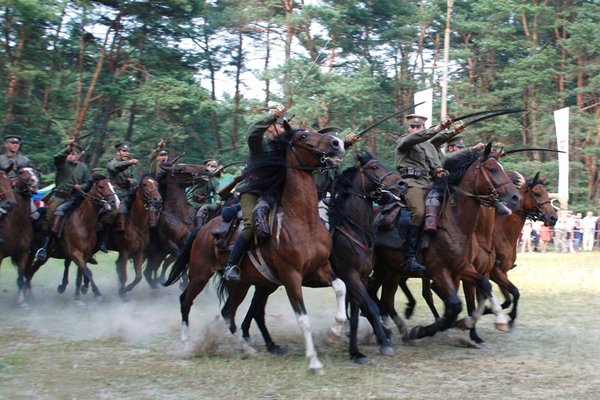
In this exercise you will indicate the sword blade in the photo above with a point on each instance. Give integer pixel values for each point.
(382, 120)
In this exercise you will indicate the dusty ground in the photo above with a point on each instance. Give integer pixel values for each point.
(57, 349)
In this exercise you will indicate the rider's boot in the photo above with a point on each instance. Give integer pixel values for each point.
(262, 228)
(411, 242)
(200, 219)
(56, 219)
(104, 236)
(232, 271)
(431, 219)
(42, 254)
(120, 223)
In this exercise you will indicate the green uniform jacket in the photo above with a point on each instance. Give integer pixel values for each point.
(417, 154)
(153, 164)
(121, 174)
(208, 190)
(258, 143)
(17, 161)
(68, 175)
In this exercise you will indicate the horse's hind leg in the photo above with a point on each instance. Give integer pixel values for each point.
(138, 260)
(186, 299)
(236, 294)
(256, 311)
(65, 279)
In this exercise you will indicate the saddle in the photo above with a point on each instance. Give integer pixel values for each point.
(224, 232)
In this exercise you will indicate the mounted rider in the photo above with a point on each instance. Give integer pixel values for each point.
(72, 176)
(419, 162)
(202, 196)
(156, 157)
(124, 173)
(261, 136)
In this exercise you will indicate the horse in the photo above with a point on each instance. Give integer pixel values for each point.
(296, 254)
(16, 209)
(351, 222)
(475, 178)
(535, 204)
(132, 242)
(174, 224)
(77, 239)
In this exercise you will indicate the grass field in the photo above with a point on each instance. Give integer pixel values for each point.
(57, 349)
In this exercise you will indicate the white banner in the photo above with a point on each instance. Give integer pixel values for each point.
(561, 122)
(425, 109)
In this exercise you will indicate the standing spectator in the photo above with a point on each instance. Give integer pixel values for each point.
(545, 237)
(577, 233)
(560, 240)
(569, 231)
(526, 237)
(535, 234)
(588, 225)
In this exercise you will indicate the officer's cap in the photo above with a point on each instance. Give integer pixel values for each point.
(414, 119)
(123, 146)
(13, 138)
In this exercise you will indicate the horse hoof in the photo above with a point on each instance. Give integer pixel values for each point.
(60, 289)
(276, 350)
(387, 351)
(317, 371)
(503, 327)
(415, 333)
(83, 290)
(362, 360)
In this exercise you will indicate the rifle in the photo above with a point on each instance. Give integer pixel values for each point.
(225, 192)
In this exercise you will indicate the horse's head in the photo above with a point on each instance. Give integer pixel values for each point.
(7, 194)
(27, 180)
(149, 193)
(103, 193)
(536, 201)
(311, 149)
(486, 180)
(187, 174)
(377, 180)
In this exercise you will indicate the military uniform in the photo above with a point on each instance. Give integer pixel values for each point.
(16, 160)
(122, 174)
(153, 163)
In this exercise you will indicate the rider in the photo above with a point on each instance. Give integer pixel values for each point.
(12, 159)
(201, 197)
(260, 140)
(158, 156)
(124, 173)
(71, 176)
(418, 161)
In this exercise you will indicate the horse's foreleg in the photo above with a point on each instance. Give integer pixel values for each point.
(355, 354)
(256, 311)
(507, 286)
(87, 274)
(336, 330)
(23, 284)
(121, 267)
(411, 301)
(295, 296)
(65, 280)
(138, 261)
(426, 290)
(446, 289)
(237, 293)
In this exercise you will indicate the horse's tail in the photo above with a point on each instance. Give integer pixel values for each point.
(222, 289)
(183, 259)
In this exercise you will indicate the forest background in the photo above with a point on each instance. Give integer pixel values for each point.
(198, 72)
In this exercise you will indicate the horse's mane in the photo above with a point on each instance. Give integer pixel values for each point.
(457, 166)
(343, 186)
(265, 173)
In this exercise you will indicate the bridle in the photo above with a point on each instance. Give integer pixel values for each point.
(315, 149)
(492, 195)
(150, 203)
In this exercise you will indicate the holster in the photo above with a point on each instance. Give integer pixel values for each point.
(431, 218)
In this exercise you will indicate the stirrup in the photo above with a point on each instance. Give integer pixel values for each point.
(231, 273)
(413, 265)
(102, 247)
(41, 254)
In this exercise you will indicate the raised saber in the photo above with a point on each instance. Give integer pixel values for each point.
(382, 120)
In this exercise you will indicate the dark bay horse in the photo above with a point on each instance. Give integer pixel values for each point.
(133, 241)
(475, 178)
(296, 254)
(174, 224)
(351, 221)
(77, 240)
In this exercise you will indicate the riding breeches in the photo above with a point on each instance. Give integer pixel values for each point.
(248, 202)
(415, 200)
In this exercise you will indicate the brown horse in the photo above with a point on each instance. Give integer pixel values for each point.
(174, 224)
(474, 179)
(77, 239)
(296, 254)
(133, 241)
(16, 231)
(507, 229)
(351, 219)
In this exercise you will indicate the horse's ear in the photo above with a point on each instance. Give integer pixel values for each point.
(166, 167)
(487, 151)
(286, 125)
(543, 180)
(536, 177)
